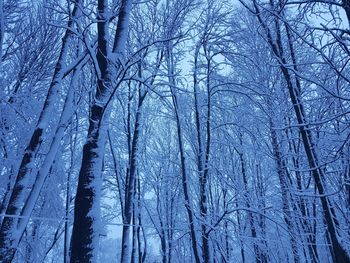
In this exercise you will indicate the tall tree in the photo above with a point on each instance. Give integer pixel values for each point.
(338, 252)
(9, 234)
(86, 227)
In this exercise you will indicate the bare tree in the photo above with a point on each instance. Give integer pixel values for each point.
(294, 89)
(86, 227)
(9, 234)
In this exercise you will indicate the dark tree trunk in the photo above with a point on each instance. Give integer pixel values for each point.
(9, 236)
(85, 234)
(85, 227)
(202, 157)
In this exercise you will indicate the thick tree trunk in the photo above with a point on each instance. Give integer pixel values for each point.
(50, 156)
(9, 233)
(86, 226)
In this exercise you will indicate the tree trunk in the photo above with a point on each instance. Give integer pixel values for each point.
(185, 186)
(338, 252)
(86, 226)
(130, 186)
(282, 176)
(260, 257)
(9, 234)
(202, 156)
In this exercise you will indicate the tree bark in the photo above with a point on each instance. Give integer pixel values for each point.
(86, 226)
(9, 234)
